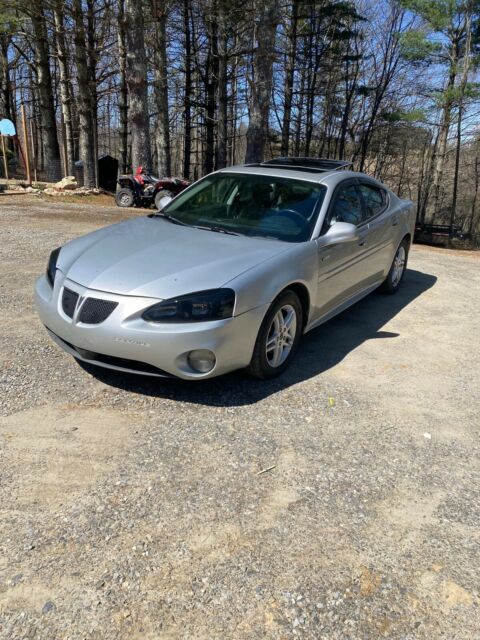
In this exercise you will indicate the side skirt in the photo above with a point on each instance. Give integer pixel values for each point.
(341, 307)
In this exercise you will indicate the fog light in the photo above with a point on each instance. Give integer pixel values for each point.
(201, 360)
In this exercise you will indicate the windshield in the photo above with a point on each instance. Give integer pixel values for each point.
(251, 205)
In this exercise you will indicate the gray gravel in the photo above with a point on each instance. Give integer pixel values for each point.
(133, 508)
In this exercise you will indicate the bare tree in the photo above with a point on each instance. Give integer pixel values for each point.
(84, 99)
(45, 93)
(66, 90)
(187, 131)
(136, 75)
(122, 89)
(261, 78)
(160, 71)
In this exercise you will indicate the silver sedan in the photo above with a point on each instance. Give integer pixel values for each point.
(230, 273)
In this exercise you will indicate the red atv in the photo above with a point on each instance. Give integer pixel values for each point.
(143, 190)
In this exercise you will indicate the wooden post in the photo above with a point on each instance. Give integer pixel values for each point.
(26, 144)
(5, 161)
(34, 158)
(64, 144)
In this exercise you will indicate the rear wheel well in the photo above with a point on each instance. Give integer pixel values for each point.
(304, 297)
(408, 238)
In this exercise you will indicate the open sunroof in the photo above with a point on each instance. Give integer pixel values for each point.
(304, 164)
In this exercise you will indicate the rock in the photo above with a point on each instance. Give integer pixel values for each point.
(51, 191)
(48, 606)
(66, 184)
(88, 191)
(73, 190)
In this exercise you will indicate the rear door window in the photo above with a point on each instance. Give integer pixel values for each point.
(347, 206)
(375, 199)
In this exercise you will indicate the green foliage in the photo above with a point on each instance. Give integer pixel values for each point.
(414, 116)
(339, 10)
(437, 13)
(457, 94)
(472, 90)
(416, 47)
(9, 22)
(363, 90)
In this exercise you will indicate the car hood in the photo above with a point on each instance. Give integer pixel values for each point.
(152, 257)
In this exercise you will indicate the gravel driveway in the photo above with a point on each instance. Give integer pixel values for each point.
(135, 509)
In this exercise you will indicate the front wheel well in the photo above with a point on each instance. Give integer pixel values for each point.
(304, 297)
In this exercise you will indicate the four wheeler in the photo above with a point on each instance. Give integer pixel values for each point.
(143, 190)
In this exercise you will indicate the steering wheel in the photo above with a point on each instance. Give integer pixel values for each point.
(291, 214)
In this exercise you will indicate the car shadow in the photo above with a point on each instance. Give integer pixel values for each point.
(319, 350)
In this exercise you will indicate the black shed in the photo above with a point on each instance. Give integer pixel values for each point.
(107, 172)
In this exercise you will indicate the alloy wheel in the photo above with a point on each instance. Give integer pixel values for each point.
(398, 266)
(281, 335)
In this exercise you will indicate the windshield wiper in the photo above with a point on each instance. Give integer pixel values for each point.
(217, 230)
(168, 217)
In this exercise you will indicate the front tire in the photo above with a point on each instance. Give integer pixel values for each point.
(162, 194)
(278, 337)
(397, 270)
(124, 198)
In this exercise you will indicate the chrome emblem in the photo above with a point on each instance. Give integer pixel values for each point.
(137, 343)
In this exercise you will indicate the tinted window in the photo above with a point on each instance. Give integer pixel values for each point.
(374, 198)
(347, 206)
(252, 205)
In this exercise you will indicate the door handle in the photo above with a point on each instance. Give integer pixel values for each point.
(394, 222)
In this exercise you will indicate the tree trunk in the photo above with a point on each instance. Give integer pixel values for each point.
(442, 142)
(45, 94)
(261, 80)
(299, 118)
(463, 86)
(473, 208)
(84, 99)
(162, 126)
(222, 88)
(289, 78)
(122, 93)
(211, 82)
(137, 85)
(5, 81)
(187, 132)
(352, 68)
(92, 78)
(65, 85)
(457, 165)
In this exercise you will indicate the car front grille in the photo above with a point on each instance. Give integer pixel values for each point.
(69, 302)
(95, 311)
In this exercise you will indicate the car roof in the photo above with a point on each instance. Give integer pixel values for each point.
(329, 178)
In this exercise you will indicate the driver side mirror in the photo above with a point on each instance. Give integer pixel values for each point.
(341, 232)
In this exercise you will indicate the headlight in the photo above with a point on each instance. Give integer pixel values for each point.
(52, 266)
(213, 304)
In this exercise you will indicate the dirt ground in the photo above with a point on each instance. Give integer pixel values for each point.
(133, 508)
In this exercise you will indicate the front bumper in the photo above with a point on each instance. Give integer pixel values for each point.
(124, 341)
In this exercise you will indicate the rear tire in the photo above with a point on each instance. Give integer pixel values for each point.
(278, 337)
(397, 270)
(124, 198)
